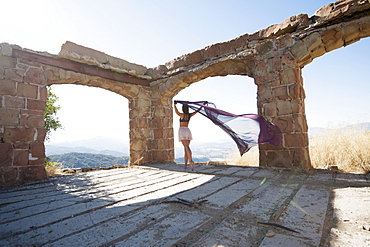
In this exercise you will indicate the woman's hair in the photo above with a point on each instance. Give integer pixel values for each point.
(185, 109)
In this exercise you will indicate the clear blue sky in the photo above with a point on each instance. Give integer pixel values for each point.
(153, 32)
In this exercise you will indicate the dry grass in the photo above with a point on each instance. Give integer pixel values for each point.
(52, 168)
(251, 158)
(347, 149)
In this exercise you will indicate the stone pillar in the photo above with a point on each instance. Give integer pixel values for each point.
(281, 101)
(140, 134)
(162, 130)
(22, 103)
(151, 131)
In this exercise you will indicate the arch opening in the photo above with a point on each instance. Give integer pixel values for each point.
(235, 94)
(95, 121)
(339, 107)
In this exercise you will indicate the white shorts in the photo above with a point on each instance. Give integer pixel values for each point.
(185, 134)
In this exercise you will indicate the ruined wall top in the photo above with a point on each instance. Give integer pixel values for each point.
(285, 33)
(90, 56)
(297, 27)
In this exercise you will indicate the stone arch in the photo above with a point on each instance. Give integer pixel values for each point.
(25, 76)
(273, 56)
(225, 98)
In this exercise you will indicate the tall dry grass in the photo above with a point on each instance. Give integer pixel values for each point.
(251, 158)
(348, 149)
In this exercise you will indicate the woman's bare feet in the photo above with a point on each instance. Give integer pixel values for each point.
(192, 165)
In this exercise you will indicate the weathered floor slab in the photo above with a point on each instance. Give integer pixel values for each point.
(166, 205)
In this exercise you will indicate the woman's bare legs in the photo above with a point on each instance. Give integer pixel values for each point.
(186, 159)
(188, 154)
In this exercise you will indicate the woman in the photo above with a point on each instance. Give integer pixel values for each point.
(185, 134)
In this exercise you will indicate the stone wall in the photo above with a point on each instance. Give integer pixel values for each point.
(22, 103)
(274, 57)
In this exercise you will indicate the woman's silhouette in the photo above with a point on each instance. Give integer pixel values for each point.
(185, 135)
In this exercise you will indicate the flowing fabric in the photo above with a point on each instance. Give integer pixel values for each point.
(247, 130)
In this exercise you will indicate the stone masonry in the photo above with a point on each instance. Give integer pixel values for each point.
(274, 57)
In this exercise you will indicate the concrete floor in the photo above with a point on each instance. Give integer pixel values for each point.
(140, 207)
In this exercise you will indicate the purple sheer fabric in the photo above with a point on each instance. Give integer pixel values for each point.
(247, 130)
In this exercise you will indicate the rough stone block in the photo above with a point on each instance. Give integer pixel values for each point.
(9, 117)
(158, 133)
(168, 133)
(21, 157)
(275, 158)
(264, 92)
(140, 157)
(138, 144)
(6, 154)
(15, 102)
(265, 47)
(32, 173)
(194, 57)
(301, 158)
(14, 74)
(211, 51)
(351, 33)
(158, 111)
(18, 134)
(36, 105)
(141, 122)
(43, 93)
(365, 29)
(298, 105)
(41, 134)
(312, 41)
(143, 112)
(36, 162)
(296, 90)
(332, 39)
(318, 51)
(285, 123)
(27, 90)
(280, 92)
(269, 110)
(284, 107)
(296, 140)
(300, 122)
(274, 64)
(162, 156)
(90, 56)
(260, 69)
(289, 76)
(300, 52)
(140, 133)
(21, 145)
(142, 103)
(8, 87)
(35, 76)
(37, 149)
(284, 41)
(266, 78)
(10, 175)
(7, 62)
(288, 61)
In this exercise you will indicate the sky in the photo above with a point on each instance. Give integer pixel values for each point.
(153, 32)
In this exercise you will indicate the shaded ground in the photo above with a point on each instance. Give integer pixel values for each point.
(129, 207)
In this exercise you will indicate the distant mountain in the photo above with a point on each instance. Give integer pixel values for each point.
(79, 160)
(207, 151)
(97, 145)
(317, 130)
